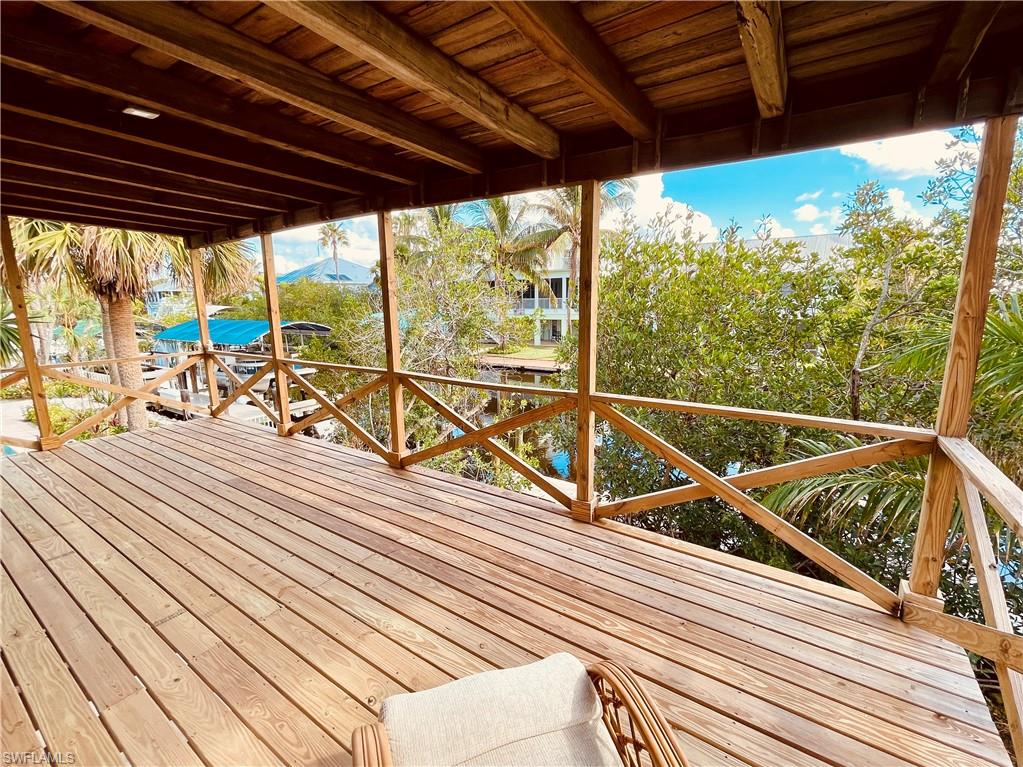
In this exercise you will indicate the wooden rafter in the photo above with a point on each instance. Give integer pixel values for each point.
(35, 50)
(371, 35)
(33, 155)
(41, 183)
(95, 218)
(81, 121)
(55, 205)
(763, 44)
(87, 143)
(17, 192)
(969, 23)
(564, 37)
(186, 35)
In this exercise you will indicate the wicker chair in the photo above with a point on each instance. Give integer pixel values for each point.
(553, 712)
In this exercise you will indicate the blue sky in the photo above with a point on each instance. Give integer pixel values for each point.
(802, 193)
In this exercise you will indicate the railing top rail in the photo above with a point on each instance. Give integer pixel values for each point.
(115, 360)
(772, 416)
(489, 385)
(307, 363)
(1001, 492)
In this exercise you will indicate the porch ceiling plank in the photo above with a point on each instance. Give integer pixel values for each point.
(89, 115)
(569, 42)
(763, 44)
(371, 35)
(90, 206)
(123, 221)
(50, 158)
(18, 191)
(185, 35)
(47, 182)
(32, 130)
(969, 22)
(32, 49)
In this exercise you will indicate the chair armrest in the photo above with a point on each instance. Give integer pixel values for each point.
(643, 728)
(370, 747)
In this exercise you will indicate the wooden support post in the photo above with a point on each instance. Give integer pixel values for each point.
(273, 314)
(589, 277)
(14, 282)
(964, 349)
(392, 336)
(199, 291)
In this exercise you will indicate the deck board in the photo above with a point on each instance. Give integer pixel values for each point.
(287, 586)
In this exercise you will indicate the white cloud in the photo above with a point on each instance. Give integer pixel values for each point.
(903, 207)
(818, 229)
(837, 195)
(905, 156)
(775, 229)
(807, 196)
(808, 212)
(650, 202)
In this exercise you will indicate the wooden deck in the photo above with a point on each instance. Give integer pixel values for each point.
(219, 595)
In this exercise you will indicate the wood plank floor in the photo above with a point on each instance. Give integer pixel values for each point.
(210, 593)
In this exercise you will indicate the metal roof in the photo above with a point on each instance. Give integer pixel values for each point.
(231, 332)
(346, 272)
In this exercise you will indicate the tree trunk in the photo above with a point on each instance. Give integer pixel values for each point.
(122, 328)
(120, 417)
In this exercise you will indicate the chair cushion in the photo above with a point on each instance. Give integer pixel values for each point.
(544, 714)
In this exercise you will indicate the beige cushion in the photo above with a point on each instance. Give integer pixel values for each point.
(545, 714)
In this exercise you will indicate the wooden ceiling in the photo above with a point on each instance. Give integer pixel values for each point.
(279, 114)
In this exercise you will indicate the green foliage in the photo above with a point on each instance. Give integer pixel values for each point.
(63, 418)
(53, 389)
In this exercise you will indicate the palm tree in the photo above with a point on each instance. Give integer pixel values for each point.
(520, 241)
(563, 208)
(115, 266)
(333, 236)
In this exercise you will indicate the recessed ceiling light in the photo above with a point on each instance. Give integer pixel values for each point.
(148, 114)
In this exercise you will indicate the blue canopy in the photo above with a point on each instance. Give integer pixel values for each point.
(222, 332)
(234, 332)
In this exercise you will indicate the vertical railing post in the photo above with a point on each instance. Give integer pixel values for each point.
(589, 277)
(963, 350)
(199, 291)
(273, 315)
(15, 283)
(392, 336)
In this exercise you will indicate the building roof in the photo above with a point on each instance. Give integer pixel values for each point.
(270, 116)
(231, 332)
(346, 273)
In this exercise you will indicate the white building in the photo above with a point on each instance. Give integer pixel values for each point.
(553, 317)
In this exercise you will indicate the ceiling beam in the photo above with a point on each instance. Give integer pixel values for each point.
(113, 221)
(568, 41)
(21, 191)
(186, 35)
(51, 203)
(361, 29)
(36, 156)
(33, 49)
(965, 30)
(61, 183)
(763, 43)
(29, 95)
(32, 130)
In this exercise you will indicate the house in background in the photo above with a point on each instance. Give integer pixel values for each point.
(552, 321)
(343, 273)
